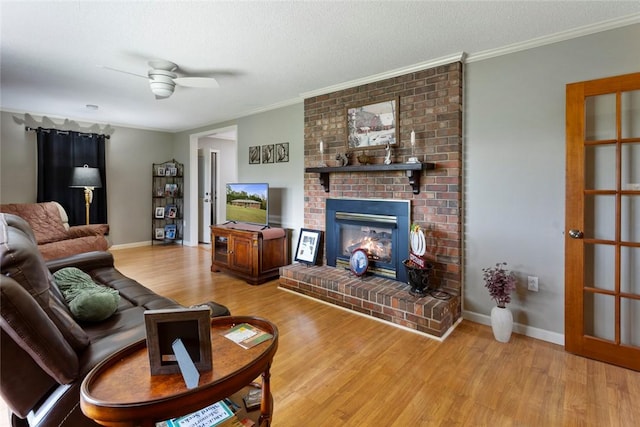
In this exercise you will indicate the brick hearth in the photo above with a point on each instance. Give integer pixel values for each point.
(385, 299)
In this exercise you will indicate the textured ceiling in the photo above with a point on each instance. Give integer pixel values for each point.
(263, 54)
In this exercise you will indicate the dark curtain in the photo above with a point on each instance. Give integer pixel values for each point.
(58, 153)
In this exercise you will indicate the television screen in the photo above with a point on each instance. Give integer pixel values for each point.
(248, 203)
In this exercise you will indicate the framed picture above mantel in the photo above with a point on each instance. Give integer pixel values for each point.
(372, 125)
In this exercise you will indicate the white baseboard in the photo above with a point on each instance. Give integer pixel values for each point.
(530, 331)
(130, 245)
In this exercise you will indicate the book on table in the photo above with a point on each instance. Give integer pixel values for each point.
(247, 335)
(213, 415)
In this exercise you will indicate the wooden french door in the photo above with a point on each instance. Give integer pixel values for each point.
(602, 246)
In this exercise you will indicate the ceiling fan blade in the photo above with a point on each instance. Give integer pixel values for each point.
(203, 82)
(122, 71)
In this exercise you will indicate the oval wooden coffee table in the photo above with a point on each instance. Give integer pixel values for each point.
(121, 391)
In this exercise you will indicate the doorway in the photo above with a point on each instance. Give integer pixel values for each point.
(207, 193)
(602, 247)
(222, 141)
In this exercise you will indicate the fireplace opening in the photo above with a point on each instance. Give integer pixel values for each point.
(380, 227)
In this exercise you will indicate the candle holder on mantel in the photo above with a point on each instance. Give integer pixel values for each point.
(413, 158)
(322, 163)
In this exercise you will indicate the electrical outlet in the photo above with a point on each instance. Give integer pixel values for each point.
(532, 283)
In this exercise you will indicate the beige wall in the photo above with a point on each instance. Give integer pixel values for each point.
(129, 155)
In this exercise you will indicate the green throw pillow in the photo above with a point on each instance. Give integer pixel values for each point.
(87, 300)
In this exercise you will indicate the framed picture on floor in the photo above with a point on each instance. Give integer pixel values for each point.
(308, 245)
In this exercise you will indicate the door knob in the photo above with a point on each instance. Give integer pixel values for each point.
(575, 234)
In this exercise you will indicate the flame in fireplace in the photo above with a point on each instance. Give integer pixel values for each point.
(378, 248)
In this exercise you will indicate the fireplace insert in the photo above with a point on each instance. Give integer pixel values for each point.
(380, 227)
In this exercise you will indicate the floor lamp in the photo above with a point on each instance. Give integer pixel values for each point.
(87, 178)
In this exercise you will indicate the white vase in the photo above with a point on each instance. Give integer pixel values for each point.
(501, 323)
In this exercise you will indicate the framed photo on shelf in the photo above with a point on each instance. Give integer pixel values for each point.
(282, 152)
(372, 125)
(159, 192)
(254, 155)
(170, 211)
(171, 190)
(190, 325)
(170, 231)
(308, 245)
(160, 171)
(159, 233)
(172, 171)
(159, 211)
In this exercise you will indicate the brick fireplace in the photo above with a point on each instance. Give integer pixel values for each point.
(430, 104)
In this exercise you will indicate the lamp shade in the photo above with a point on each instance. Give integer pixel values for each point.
(86, 177)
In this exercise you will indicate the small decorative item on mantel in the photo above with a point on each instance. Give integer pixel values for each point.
(500, 282)
(363, 159)
(387, 157)
(322, 163)
(413, 159)
(342, 159)
(418, 269)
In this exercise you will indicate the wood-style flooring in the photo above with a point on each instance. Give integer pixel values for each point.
(336, 368)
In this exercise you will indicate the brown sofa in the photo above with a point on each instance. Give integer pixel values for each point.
(45, 353)
(56, 239)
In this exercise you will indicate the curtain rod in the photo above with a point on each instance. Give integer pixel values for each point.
(65, 132)
(31, 124)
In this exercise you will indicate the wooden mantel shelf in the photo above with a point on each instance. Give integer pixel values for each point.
(413, 171)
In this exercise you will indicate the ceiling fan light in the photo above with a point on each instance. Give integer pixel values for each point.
(162, 89)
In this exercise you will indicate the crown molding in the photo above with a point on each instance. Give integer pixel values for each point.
(555, 38)
(386, 75)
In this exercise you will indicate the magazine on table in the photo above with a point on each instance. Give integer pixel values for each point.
(247, 335)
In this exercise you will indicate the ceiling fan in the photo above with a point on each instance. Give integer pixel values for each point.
(164, 76)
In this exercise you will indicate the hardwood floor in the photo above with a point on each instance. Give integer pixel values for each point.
(336, 368)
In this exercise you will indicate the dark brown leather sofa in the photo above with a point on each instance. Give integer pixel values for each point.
(44, 352)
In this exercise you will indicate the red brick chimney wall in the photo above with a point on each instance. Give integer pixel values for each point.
(430, 103)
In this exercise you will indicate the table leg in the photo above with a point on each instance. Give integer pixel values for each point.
(266, 405)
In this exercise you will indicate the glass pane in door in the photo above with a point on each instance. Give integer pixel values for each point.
(600, 217)
(599, 316)
(630, 321)
(630, 270)
(599, 266)
(600, 167)
(630, 119)
(600, 117)
(630, 219)
(630, 166)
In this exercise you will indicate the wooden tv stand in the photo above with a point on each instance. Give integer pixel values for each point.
(248, 251)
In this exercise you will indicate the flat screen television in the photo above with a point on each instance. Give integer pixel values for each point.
(248, 203)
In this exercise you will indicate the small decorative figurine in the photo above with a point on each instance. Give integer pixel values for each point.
(342, 159)
(387, 157)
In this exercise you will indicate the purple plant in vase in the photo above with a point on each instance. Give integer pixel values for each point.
(500, 282)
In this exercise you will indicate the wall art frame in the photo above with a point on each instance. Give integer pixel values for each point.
(191, 325)
(373, 125)
(268, 155)
(282, 152)
(254, 155)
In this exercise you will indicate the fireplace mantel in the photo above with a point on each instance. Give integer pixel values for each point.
(413, 171)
